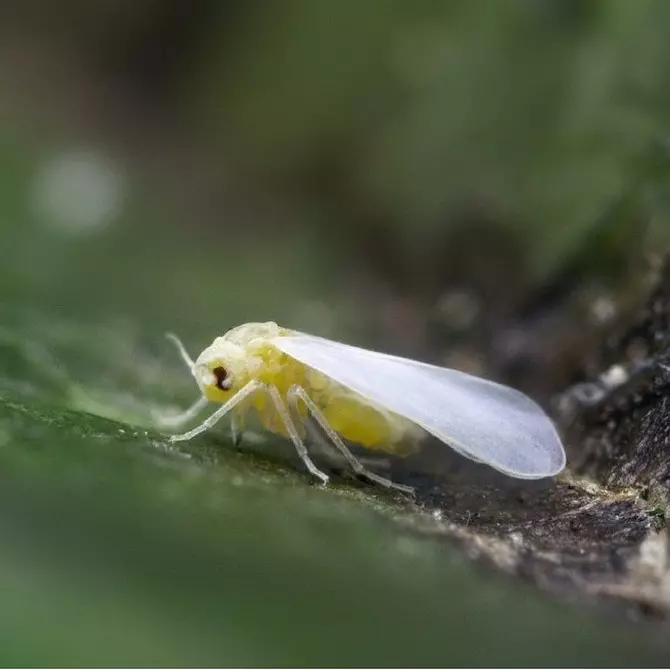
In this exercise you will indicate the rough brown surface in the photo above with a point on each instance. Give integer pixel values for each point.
(599, 531)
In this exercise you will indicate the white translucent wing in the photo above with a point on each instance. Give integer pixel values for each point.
(478, 418)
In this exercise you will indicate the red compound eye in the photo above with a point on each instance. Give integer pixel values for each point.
(221, 377)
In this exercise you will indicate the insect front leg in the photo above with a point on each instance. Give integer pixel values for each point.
(178, 420)
(295, 395)
(294, 435)
(241, 395)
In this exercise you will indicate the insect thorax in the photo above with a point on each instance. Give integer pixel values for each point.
(245, 334)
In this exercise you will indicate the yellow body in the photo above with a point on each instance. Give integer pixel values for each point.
(247, 353)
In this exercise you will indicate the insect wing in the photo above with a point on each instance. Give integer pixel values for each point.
(478, 418)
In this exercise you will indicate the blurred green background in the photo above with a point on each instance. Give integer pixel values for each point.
(359, 170)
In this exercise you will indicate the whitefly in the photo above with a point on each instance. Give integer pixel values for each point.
(376, 400)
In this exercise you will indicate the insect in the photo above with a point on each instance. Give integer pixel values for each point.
(376, 400)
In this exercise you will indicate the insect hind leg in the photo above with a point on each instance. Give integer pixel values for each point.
(295, 395)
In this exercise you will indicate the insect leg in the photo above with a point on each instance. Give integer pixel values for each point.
(167, 421)
(294, 435)
(241, 395)
(236, 430)
(297, 393)
(182, 350)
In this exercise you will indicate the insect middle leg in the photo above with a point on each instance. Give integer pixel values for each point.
(295, 395)
(236, 427)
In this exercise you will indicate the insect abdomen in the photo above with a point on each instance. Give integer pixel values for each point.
(356, 420)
